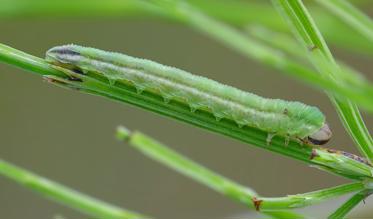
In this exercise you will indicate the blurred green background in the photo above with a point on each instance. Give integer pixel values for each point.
(69, 137)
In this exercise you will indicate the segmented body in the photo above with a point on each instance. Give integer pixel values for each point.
(286, 118)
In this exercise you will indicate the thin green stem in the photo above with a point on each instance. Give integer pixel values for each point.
(76, 8)
(261, 53)
(276, 39)
(247, 196)
(340, 161)
(311, 198)
(351, 15)
(243, 13)
(352, 202)
(287, 44)
(238, 13)
(26, 61)
(304, 27)
(64, 195)
(127, 93)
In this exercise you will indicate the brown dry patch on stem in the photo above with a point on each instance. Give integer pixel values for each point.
(257, 202)
(313, 154)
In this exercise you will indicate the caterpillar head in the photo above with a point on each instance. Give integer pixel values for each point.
(67, 54)
(322, 136)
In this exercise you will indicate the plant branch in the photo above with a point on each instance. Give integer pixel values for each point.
(250, 48)
(64, 195)
(304, 27)
(247, 196)
(127, 93)
(289, 45)
(351, 15)
(311, 38)
(238, 13)
(342, 211)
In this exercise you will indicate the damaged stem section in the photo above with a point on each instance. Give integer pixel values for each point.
(342, 162)
(247, 196)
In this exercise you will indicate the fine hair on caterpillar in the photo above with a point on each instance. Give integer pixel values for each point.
(290, 119)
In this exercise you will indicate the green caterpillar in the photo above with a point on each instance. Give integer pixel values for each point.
(275, 116)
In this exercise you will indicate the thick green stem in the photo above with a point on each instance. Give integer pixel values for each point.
(247, 196)
(127, 93)
(64, 195)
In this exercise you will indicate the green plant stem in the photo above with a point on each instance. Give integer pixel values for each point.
(302, 23)
(26, 61)
(243, 13)
(261, 53)
(351, 15)
(238, 13)
(247, 196)
(64, 195)
(338, 162)
(76, 8)
(127, 93)
(276, 39)
(287, 44)
(347, 110)
(342, 211)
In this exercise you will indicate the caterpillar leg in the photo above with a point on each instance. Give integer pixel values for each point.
(74, 74)
(303, 141)
(287, 139)
(139, 89)
(193, 107)
(269, 138)
(61, 82)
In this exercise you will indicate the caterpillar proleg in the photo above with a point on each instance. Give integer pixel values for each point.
(286, 118)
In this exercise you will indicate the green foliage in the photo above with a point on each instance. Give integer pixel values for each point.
(361, 94)
(64, 195)
(247, 196)
(351, 15)
(342, 211)
(346, 88)
(302, 23)
(127, 93)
